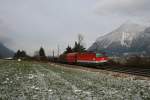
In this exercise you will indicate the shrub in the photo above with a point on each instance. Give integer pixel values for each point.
(137, 61)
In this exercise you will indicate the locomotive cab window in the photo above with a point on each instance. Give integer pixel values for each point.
(99, 55)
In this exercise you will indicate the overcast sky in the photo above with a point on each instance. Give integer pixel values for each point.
(29, 24)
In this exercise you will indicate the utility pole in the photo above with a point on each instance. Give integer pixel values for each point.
(53, 55)
(58, 50)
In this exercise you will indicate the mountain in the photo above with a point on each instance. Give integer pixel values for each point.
(5, 52)
(128, 39)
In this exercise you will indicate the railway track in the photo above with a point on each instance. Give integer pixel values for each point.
(126, 70)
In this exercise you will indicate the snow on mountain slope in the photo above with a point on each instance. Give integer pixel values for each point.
(125, 34)
(120, 39)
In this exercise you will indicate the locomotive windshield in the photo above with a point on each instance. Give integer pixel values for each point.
(99, 55)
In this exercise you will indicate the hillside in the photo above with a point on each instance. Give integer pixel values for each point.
(5, 52)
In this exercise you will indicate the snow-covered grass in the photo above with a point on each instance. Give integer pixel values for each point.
(37, 81)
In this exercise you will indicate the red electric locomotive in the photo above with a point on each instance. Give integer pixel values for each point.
(89, 58)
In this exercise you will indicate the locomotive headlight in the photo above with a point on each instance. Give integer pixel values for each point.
(93, 58)
(103, 58)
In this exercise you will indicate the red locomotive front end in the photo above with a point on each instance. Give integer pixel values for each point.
(86, 58)
(91, 58)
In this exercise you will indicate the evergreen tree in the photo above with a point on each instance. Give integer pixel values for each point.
(42, 52)
(78, 47)
(23, 53)
(42, 55)
(17, 54)
(20, 54)
(68, 50)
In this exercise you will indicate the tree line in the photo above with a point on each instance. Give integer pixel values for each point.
(41, 56)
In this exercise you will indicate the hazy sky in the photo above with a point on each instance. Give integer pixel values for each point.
(29, 24)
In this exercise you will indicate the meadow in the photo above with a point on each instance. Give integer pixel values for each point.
(49, 81)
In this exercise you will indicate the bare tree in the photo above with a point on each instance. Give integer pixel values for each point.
(80, 39)
(79, 47)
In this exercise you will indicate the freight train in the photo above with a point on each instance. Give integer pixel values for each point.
(86, 58)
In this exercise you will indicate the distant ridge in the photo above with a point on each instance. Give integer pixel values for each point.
(128, 39)
(5, 52)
